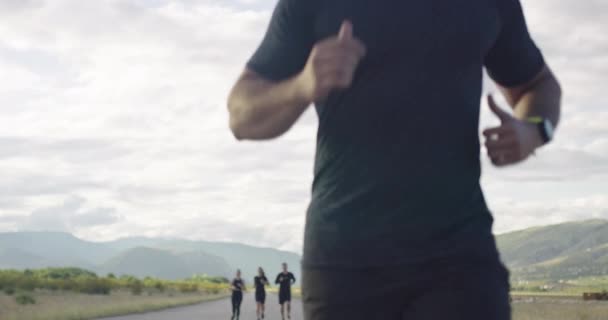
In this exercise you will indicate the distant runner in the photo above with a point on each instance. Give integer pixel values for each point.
(238, 286)
(260, 282)
(285, 279)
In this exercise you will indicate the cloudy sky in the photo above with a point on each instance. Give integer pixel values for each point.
(113, 123)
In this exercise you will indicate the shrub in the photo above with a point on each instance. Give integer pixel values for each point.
(209, 279)
(95, 286)
(68, 285)
(136, 287)
(28, 284)
(53, 286)
(24, 299)
(80, 280)
(159, 286)
(188, 287)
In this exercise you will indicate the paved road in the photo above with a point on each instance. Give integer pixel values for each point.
(219, 310)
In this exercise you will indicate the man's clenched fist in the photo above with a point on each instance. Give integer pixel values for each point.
(331, 64)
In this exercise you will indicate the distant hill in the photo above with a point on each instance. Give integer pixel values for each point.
(11, 258)
(164, 258)
(57, 247)
(559, 251)
(245, 257)
(142, 262)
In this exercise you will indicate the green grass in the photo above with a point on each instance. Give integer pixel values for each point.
(78, 294)
(78, 306)
(535, 307)
(545, 294)
(565, 287)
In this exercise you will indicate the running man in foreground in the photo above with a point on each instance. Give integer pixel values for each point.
(397, 227)
(260, 282)
(237, 286)
(285, 279)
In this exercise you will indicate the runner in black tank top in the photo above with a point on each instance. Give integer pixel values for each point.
(238, 286)
(260, 282)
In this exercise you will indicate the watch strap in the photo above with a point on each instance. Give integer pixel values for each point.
(540, 124)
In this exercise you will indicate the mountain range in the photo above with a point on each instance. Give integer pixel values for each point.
(141, 257)
(561, 251)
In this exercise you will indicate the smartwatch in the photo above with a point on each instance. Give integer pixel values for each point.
(545, 128)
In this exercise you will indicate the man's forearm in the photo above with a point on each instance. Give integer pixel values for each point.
(261, 109)
(541, 99)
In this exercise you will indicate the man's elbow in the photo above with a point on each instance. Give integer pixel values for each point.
(237, 130)
(558, 88)
(553, 83)
(238, 122)
(246, 125)
(255, 132)
(244, 128)
(558, 98)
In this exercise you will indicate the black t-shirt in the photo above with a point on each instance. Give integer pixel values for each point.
(285, 280)
(259, 285)
(396, 176)
(237, 286)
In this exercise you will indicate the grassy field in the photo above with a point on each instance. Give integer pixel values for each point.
(547, 307)
(75, 294)
(77, 306)
(559, 299)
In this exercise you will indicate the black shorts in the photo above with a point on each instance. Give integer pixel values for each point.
(284, 296)
(260, 296)
(457, 288)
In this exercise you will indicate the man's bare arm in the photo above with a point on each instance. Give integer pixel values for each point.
(517, 138)
(540, 97)
(262, 109)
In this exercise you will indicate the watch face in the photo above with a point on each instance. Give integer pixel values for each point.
(548, 129)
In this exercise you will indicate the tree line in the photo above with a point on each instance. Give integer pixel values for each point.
(85, 281)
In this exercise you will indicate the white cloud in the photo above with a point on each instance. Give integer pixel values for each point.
(122, 103)
(522, 214)
(71, 215)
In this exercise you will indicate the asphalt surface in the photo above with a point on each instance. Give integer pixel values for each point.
(219, 310)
